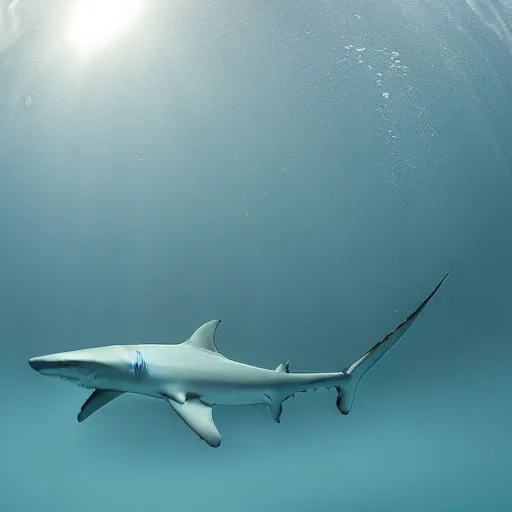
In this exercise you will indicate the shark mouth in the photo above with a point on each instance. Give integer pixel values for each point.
(71, 380)
(49, 367)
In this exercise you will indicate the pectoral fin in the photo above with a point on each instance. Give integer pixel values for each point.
(198, 416)
(96, 401)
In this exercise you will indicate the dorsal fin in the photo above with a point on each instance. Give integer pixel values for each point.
(204, 336)
(284, 367)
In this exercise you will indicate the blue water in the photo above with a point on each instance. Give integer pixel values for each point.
(305, 171)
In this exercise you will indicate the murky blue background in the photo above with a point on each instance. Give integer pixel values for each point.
(305, 171)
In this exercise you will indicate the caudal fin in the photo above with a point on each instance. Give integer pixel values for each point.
(358, 368)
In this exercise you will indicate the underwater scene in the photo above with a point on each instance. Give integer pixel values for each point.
(263, 251)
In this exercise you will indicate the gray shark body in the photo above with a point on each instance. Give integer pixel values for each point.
(193, 376)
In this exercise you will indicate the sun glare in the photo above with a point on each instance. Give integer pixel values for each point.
(95, 23)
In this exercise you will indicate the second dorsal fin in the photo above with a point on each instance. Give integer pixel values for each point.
(284, 367)
(204, 336)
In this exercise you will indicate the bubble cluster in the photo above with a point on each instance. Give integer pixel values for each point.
(386, 69)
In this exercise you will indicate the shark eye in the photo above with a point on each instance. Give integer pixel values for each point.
(138, 364)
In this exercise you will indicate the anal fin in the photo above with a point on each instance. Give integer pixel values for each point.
(199, 417)
(275, 406)
(276, 409)
(98, 399)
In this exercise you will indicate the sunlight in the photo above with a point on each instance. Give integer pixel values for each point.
(95, 23)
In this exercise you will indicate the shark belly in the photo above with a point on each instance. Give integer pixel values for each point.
(229, 396)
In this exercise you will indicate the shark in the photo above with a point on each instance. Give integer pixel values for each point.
(193, 376)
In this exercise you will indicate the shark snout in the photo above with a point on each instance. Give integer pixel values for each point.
(45, 363)
(87, 366)
(37, 363)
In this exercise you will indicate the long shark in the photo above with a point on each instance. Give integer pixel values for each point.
(193, 376)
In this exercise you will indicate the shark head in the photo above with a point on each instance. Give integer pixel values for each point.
(100, 368)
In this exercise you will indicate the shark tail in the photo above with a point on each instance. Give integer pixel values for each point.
(355, 372)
